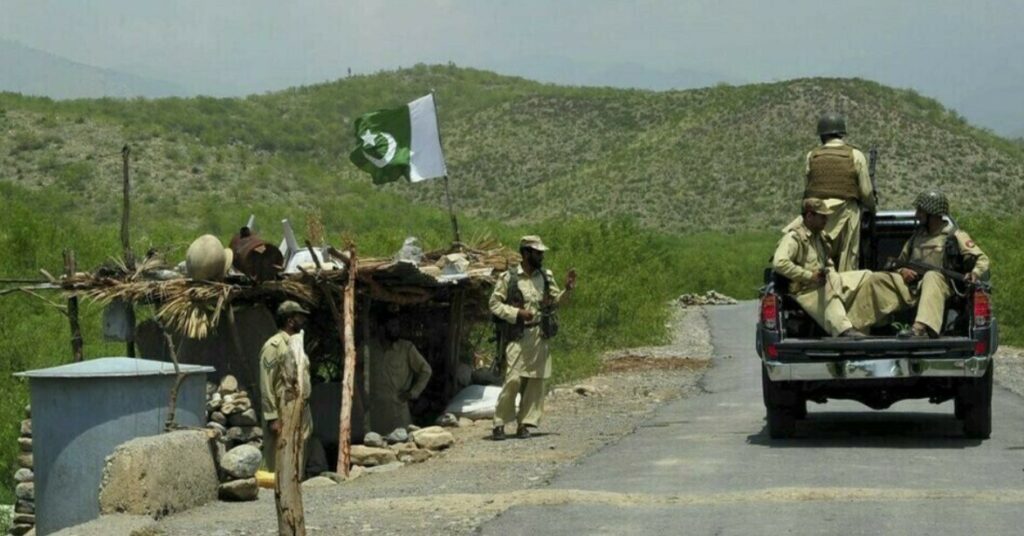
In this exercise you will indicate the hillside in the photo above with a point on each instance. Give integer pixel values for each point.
(722, 158)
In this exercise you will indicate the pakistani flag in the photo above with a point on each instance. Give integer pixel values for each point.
(400, 142)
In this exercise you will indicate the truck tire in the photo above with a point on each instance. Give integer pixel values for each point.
(977, 406)
(780, 406)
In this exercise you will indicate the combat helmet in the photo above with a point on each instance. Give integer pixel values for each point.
(831, 124)
(932, 202)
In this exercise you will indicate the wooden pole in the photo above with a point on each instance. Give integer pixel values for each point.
(76, 330)
(291, 518)
(349, 370)
(129, 257)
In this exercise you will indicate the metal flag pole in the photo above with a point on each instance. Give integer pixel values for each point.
(447, 189)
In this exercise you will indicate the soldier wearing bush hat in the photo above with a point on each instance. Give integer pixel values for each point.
(525, 299)
(802, 257)
(291, 318)
(937, 242)
(837, 173)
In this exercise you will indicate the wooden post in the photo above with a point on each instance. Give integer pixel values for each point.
(76, 330)
(454, 341)
(129, 257)
(291, 518)
(349, 371)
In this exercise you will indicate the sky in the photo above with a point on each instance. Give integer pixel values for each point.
(965, 53)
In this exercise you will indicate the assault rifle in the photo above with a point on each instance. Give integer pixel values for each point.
(923, 267)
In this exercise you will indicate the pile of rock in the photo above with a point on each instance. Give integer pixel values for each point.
(402, 446)
(25, 509)
(234, 422)
(711, 297)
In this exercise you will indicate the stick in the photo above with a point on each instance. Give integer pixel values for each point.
(349, 374)
(129, 257)
(76, 330)
(170, 424)
(447, 190)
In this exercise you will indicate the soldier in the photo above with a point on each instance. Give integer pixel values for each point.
(837, 173)
(525, 298)
(936, 242)
(802, 257)
(291, 318)
(398, 374)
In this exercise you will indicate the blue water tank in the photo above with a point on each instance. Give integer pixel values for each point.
(81, 412)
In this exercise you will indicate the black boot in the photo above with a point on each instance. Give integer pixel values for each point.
(498, 433)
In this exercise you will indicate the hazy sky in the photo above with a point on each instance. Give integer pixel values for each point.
(966, 53)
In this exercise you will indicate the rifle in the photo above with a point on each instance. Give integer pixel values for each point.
(923, 267)
(869, 215)
(872, 166)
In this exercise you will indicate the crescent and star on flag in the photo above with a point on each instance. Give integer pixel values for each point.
(370, 141)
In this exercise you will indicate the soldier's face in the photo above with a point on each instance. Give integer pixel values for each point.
(392, 329)
(298, 322)
(814, 221)
(535, 258)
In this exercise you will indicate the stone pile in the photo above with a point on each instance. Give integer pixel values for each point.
(24, 519)
(711, 297)
(239, 439)
(400, 447)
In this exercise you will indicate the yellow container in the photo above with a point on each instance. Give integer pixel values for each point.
(265, 479)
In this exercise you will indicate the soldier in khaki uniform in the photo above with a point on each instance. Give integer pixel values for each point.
(528, 361)
(802, 257)
(837, 173)
(398, 374)
(291, 317)
(937, 243)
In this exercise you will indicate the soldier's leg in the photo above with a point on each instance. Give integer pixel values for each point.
(880, 295)
(849, 254)
(269, 463)
(931, 306)
(531, 406)
(825, 308)
(505, 411)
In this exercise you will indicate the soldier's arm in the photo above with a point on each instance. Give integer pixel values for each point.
(268, 377)
(782, 262)
(860, 163)
(497, 303)
(969, 250)
(421, 371)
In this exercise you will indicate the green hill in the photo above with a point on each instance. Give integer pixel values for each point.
(720, 158)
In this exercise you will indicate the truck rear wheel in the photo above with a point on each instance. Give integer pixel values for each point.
(782, 406)
(976, 400)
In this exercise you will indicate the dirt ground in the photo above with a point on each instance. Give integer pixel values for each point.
(476, 479)
(1009, 371)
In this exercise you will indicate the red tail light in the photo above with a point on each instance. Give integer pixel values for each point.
(981, 347)
(772, 351)
(982, 309)
(769, 311)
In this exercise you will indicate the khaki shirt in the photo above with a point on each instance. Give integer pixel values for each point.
(928, 248)
(860, 163)
(528, 356)
(394, 368)
(799, 255)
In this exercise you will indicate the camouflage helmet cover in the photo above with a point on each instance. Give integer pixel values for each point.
(932, 202)
(831, 123)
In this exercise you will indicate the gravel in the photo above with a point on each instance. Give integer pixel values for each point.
(1009, 371)
(468, 484)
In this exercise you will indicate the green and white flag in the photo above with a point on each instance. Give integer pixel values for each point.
(400, 142)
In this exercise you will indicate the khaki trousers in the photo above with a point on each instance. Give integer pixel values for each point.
(885, 293)
(531, 401)
(828, 303)
(843, 227)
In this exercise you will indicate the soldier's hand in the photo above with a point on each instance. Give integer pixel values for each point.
(819, 277)
(526, 315)
(275, 426)
(570, 279)
(971, 277)
(908, 275)
(404, 396)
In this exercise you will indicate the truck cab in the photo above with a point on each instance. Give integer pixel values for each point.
(801, 363)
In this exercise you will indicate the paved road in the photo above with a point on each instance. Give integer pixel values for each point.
(705, 465)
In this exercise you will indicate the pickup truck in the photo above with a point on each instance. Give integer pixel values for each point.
(801, 363)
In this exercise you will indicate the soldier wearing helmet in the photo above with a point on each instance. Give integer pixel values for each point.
(937, 242)
(837, 173)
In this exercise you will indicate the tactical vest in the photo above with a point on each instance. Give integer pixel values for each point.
(832, 174)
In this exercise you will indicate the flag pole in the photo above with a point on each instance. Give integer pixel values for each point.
(447, 189)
